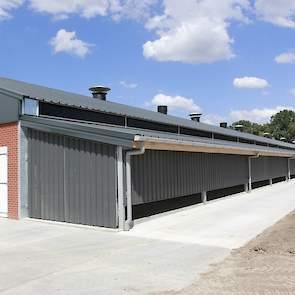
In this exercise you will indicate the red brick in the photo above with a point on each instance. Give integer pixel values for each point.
(9, 138)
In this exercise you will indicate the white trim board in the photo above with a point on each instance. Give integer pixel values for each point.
(3, 150)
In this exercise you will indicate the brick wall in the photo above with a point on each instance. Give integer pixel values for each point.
(9, 138)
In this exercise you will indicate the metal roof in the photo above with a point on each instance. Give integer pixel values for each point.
(76, 100)
(128, 136)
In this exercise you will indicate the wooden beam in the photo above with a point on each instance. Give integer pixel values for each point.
(186, 147)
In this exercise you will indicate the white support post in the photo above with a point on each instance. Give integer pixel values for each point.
(289, 169)
(204, 197)
(249, 175)
(270, 181)
(120, 175)
(250, 171)
(246, 187)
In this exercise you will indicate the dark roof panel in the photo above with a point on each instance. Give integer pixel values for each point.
(81, 101)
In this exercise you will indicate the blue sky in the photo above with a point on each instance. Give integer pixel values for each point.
(231, 60)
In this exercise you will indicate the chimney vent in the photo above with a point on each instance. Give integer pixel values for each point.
(163, 109)
(267, 134)
(239, 127)
(99, 92)
(195, 117)
(223, 124)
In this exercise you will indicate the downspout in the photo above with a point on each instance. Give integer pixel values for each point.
(129, 222)
(250, 171)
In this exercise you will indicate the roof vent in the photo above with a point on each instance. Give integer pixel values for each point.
(239, 127)
(99, 92)
(223, 124)
(195, 117)
(163, 109)
(267, 134)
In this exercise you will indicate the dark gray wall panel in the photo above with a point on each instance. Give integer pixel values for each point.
(264, 168)
(161, 175)
(71, 180)
(9, 110)
(90, 182)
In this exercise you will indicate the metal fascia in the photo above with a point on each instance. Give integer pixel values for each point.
(230, 149)
(71, 131)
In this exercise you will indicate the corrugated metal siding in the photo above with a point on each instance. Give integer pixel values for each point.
(161, 175)
(72, 180)
(264, 168)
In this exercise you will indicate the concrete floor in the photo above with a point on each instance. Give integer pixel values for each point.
(163, 253)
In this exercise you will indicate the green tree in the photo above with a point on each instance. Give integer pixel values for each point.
(282, 124)
(250, 127)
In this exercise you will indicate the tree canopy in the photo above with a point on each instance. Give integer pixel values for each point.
(281, 126)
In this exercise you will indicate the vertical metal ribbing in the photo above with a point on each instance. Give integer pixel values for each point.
(120, 176)
(72, 180)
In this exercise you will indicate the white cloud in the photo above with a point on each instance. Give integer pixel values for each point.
(178, 104)
(278, 12)
(68, 42)
(63, 8)
(131, 9)
(128, 85)
(292, 91)
(194, 31)
(118, 9)
(250, 82)
(6, 6)
(257, 115)
(285, 58)
(213, 119)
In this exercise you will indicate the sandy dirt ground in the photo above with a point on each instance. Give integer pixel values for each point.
(266, 265)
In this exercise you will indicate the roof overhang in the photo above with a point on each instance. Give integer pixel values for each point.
(132, 139)
(153, 143)
(78, 130)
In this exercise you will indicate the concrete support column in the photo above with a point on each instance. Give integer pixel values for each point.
(249, 175)
(250, 171)
(120, 176)
(246, 187)
(204, 197)
(289, 170)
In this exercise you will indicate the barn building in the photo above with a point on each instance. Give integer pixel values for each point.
(78, 159)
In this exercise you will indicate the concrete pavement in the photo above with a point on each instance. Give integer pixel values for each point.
(163, 253)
